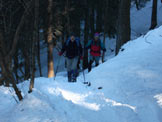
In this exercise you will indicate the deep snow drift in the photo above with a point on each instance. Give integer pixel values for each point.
(131, 90)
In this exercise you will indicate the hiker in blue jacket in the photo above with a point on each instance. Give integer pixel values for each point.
(73, 50)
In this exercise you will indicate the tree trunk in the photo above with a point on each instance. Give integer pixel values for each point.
(105, 20)
(68, 18)
(31, 86)
(92, 20)
(27, 64)
(9, 54)
(5, 68)
(137, 4)
(154, 15)
(123, 25)
(38, 56)
(86, 33)
(16, 66)
(1, 81)
(35, 39)
(49, 40)
(99, 16)
(9, 77)
(18, 30)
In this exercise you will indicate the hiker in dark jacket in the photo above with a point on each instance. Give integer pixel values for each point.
(95, 47)
(73, 50)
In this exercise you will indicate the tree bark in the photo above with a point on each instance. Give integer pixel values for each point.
(8, 55)
(1, 81)
(49, 40)
(105, 20)
(99, 17)
(86, 33)
(5, 68)
(38, 56)
(35, 39)
(18, 30)
(8, 76)
(16, 66)
(154, 15)
(68, 17)
(27, 64)
(92, 20)
(123, 24)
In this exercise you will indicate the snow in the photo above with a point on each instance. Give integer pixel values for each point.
(159, 99)
(141, 19)
(130, 86)
(130, 90)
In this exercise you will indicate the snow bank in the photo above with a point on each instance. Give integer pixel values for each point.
(141, 19)
(134, 77)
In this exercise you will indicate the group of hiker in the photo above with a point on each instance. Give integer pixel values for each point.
(73, 52)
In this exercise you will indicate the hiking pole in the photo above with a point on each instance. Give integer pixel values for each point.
(85, 82)
(57, 67)
(83, 64)
(83, 74)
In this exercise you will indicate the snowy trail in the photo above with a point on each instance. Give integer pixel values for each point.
(86, 99)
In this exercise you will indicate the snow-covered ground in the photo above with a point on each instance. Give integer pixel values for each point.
(141, 19)
(131, 84)
(130, 90)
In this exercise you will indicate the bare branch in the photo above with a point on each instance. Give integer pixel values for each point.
(13, 49)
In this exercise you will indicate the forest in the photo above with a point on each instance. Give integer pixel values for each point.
(27, 26)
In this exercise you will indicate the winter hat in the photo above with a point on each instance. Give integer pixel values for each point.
(96, 34)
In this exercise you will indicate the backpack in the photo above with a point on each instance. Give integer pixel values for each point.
(98, 43)
(77, 39)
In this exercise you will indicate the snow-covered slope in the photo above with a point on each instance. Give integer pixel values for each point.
(131, 90)
(141, 19)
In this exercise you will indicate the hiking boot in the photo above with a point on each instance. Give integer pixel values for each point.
(96, 64)
(69, 76)
(90, 65)
(74, 79)
(74, 75)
